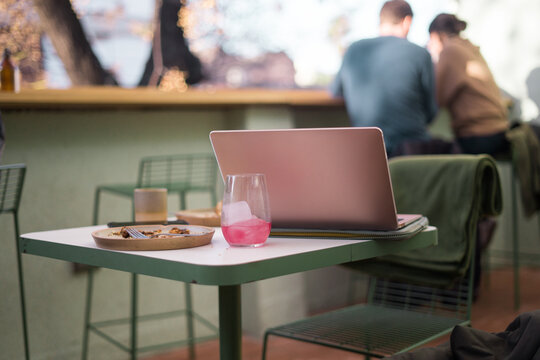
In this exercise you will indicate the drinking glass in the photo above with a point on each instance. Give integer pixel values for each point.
(150, 204)
(245, 215)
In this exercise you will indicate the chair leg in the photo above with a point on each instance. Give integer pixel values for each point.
(515, 241)
(214, 197)
(486, 266)
(21, 288)
(182, 195)
(132, 209)
(96, 206)
(265, 341)
(133, 319)
(189, 321)
(538, 219)
(354, 278)
(87, 312)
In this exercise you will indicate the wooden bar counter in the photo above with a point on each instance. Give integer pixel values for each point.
(136, 98)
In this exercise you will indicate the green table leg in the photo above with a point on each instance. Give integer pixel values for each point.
(189, 321)
(230, 322)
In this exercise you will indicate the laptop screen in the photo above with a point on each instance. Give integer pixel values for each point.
(324, 178)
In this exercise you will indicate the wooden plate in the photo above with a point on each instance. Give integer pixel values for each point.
(204, 217)
(106, 239)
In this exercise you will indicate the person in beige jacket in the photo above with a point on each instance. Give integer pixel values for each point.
(466, 87)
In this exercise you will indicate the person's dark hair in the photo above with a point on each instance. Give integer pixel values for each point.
(394, 11)
(448, 24)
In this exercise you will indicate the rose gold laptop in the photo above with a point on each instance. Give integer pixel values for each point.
(327, 178)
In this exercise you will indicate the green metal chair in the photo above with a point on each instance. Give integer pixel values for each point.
(179, 174)
(417, 296)
(11, 185)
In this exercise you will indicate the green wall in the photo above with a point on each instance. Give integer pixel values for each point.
(67, 154)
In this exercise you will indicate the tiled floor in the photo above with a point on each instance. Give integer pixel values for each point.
(492, 312)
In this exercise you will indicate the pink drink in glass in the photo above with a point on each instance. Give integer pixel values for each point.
(252, 232)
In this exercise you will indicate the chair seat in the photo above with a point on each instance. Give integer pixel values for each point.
(120, 189)
(385, 330)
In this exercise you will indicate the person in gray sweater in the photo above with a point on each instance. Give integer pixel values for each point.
(388, 82)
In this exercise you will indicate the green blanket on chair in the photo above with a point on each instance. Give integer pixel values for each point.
(453, 191)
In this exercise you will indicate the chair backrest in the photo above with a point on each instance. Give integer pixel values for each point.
(11, 183)
(454, 302)
(193, 170)
(453, 191)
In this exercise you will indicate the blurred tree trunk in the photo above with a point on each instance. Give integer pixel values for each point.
(169, 47)
(61, 24)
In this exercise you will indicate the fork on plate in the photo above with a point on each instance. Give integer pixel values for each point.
(136, 234)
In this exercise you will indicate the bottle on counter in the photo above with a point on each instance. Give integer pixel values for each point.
(8, 74)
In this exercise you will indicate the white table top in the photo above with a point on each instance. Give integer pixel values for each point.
(218, 252)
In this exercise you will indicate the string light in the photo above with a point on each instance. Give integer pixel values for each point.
(174, 80)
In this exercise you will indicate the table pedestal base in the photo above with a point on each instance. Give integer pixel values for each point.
(230, 322)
